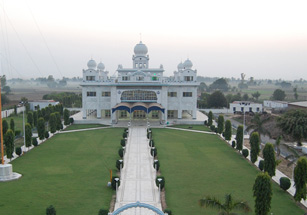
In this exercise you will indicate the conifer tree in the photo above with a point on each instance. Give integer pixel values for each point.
(269, 159)
(300, 180)
(255, 148)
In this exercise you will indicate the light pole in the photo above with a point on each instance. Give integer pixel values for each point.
(116, 181)
(23, 124)
(159, 181)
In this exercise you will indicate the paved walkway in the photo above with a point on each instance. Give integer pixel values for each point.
(138, 175)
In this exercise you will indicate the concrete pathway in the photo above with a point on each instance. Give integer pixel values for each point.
(138, 175)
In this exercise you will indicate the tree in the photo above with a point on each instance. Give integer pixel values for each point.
(220, 124)
(239, 138)
(219, 84)
(295, 93)
(202, 87)
(50, 210)
(28, 131)
(217, 100)
(5, 126)
(228, 130)
(245, 97)
(18, 150)
(12, 124)
(30, 118)
(9, 143)
(66, 117)
(15, 109)
(294, 123)
(225, 208)
(41, 128)
(3, 81)
(300, 179)
(277, 145)
(4, 99)
(103, 212)
(263, 194)
(256, 95)
(269, 159)
(52, 123)
(255, 147)
(35, 118)
(257, 125)
(210, 118)
(6, 89)
(58, 121)
(279, 95)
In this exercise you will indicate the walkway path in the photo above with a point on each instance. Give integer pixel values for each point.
(138, 175)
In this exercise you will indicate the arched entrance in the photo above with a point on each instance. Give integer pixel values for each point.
(136, 205)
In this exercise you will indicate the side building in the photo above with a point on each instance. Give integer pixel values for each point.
(139, 92)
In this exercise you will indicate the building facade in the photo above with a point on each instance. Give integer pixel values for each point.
(245, 106)
(140, 91)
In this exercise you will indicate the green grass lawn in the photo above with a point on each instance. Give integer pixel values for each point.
(83, 126)
(17, 120)
(69, 171)
(192, 127)
(197, 165)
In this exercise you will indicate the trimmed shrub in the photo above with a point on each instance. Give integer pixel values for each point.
(118, 163)
(206, 122)
(154, 152)
(124, 135)
(121, 153)
(123, 142)
(17, 133)
(113, 182)
(261, 165)
(168, 211)
(71, 120)
(46, 134)
(34, 141)
(245, 152)
(212, 127)
(103, 212)
(233, 144)
(284, 183)
(156, 163)
(152, 143)
(18, 150)
(162, 182)
(50, 210)
(61, 126)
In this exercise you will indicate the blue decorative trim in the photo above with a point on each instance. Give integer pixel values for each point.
(136, 205)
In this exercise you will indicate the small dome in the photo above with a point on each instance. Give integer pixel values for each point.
(187, 64)
(140, 49)
(180, 66)
(91, 64)
(100, 66)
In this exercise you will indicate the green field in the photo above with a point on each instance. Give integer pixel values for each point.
(69, 171)
(192, 127)
(197, 165)
(81, 126)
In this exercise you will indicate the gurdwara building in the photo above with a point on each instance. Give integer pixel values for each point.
(139, 92)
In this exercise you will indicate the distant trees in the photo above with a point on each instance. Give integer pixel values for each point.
(262, 192)
(256, 95)
(220, 124)
(9, 143)
(239, 138)
(257, 125)
(279, 95)
(293, 123)
(300, 179)
(219, 84)
(269, 159)
(255, 146)
(217, 100)
(228, 130)
(66, 98)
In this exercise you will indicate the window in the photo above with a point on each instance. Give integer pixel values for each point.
(140, 78)
(234, 109)
(188, 78)
(144, 65)
(172, 94)
(107, 113)
(187, 94)
(125, 78)
(91, 94)
(123, 114)
(106, 94)
(250, 109)
(242, 109)
(258, 109)
(170, 114)
(90, 78)
(155, 114)
(137, 95)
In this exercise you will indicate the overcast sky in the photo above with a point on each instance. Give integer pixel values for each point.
(223, 38)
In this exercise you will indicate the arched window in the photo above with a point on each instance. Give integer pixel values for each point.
(138, 95)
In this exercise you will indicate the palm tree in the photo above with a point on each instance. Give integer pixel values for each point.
(292, 157)
(257, 125)
(277, 145)
(227, 207)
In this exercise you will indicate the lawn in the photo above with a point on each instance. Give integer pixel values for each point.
(197, 165)
(192, 127)
(69, 171)
(83, 126)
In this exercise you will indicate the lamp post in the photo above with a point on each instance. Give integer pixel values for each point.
(23, 124)
(116, 181)
(159, 181)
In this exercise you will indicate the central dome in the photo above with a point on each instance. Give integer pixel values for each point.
(91, 64)
(140, 49)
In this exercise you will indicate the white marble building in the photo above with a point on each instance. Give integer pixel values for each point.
(139, 92)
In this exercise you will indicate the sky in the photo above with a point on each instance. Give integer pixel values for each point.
(264, 39)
